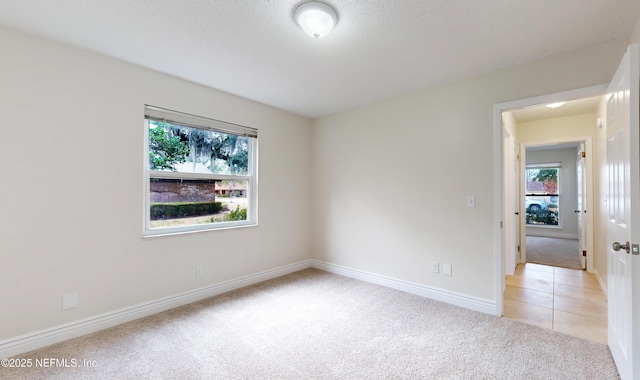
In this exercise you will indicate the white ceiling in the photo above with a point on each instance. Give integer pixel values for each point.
(379, 49)
(570, 108)
(537, 148)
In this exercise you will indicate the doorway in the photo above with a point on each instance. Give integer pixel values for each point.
(541, 294)
(555, 200)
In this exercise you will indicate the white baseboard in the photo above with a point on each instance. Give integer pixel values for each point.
(43, 338)
(533, 231)
(473, 303)
(603, 285)
(32, 341)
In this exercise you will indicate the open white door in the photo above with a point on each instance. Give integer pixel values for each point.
(518, 214)
(512, 204)
(623, 227)
(581, 212)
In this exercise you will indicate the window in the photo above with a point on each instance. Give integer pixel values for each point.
(200, 174)
(542, 197)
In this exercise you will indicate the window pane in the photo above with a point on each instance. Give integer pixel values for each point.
(185, 202)
(193, 150)
(542, 210)
(542, 181)
(542, 198)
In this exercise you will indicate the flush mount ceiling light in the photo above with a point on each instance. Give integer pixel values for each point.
(315, 18)
(556, 105)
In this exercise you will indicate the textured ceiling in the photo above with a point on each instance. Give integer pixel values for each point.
(379, 49)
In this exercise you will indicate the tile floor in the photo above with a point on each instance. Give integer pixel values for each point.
(566, 300)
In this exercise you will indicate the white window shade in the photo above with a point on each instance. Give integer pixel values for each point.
(188, 120)
(548, 165)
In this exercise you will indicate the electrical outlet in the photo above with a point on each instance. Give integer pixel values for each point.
(435, 267)
(69, 301)
(446, 269)
(199, 271)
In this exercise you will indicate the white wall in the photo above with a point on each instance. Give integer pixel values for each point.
(511, 184)
(601, 187)
(561, 128)
(390, 179)
(568, 226)
(72, 187)
(635, 36)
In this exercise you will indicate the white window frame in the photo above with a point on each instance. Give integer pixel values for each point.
(548, 165)
(193, 121)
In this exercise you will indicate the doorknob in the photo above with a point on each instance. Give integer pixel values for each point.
(616, 246)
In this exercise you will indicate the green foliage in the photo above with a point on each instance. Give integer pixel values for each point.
(239, 162)
(223, 153)
(164, 150)
(548, 178)
(220, 152)
(238, 214)
(545, 175)
(183, 209)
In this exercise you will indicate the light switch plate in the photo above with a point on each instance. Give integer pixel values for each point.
(471, 201)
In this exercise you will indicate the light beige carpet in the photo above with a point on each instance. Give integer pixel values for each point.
(317, 325)
(555, 252)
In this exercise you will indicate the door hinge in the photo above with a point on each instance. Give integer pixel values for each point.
(518, 248)
(583, 154)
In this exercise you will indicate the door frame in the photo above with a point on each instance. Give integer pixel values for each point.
(498, 165)
(588, 148)
(511, 159)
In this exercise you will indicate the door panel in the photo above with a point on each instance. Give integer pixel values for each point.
(581, 171)
(517, 201)
(512, 204)
(622, 226)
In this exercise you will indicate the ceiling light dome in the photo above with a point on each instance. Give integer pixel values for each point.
(555, 105)
(315, 18)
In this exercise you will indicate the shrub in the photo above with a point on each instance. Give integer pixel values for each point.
(238, 214)
(545, 217)
(183, 209)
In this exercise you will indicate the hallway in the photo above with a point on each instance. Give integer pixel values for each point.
(565, 300)
(554, 252)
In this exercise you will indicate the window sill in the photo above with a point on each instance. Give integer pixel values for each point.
(543, 227)
(160, 232)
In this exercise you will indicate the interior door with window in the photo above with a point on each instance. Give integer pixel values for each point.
(623, 225)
